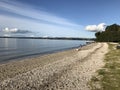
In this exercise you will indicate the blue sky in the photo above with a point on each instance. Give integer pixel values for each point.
(57, 18)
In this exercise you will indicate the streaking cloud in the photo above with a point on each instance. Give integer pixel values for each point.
(39, 22)
(31, 13)
(42, 29)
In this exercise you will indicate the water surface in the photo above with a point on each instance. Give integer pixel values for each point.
(12, 48)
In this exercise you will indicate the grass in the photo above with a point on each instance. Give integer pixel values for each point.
(108, 78)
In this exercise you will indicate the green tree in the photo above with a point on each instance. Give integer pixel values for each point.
(111, 34)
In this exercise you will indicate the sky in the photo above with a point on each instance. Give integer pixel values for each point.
(57, 18)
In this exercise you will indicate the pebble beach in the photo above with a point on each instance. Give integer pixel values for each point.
(66, 70)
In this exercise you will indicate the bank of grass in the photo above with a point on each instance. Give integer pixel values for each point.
(108, 78)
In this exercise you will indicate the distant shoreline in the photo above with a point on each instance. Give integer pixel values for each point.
(51, 38)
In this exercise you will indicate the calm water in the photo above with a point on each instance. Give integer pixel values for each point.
(18, 48)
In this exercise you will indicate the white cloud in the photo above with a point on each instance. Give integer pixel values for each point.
(7, 30)
(96, 28)
(14, 30)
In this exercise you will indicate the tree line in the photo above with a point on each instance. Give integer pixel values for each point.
(111, 34)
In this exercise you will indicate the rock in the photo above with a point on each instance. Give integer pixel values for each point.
(118, 47)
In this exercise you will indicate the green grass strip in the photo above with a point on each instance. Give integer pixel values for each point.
(108, 78)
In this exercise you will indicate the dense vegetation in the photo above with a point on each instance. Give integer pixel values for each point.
(111, 34)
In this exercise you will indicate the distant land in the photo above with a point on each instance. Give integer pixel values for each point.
(52, 38)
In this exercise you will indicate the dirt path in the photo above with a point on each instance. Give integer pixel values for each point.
(69, 73)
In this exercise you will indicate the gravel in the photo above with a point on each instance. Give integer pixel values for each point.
(70, 70)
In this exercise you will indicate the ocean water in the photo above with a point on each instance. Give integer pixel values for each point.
(12, 48)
